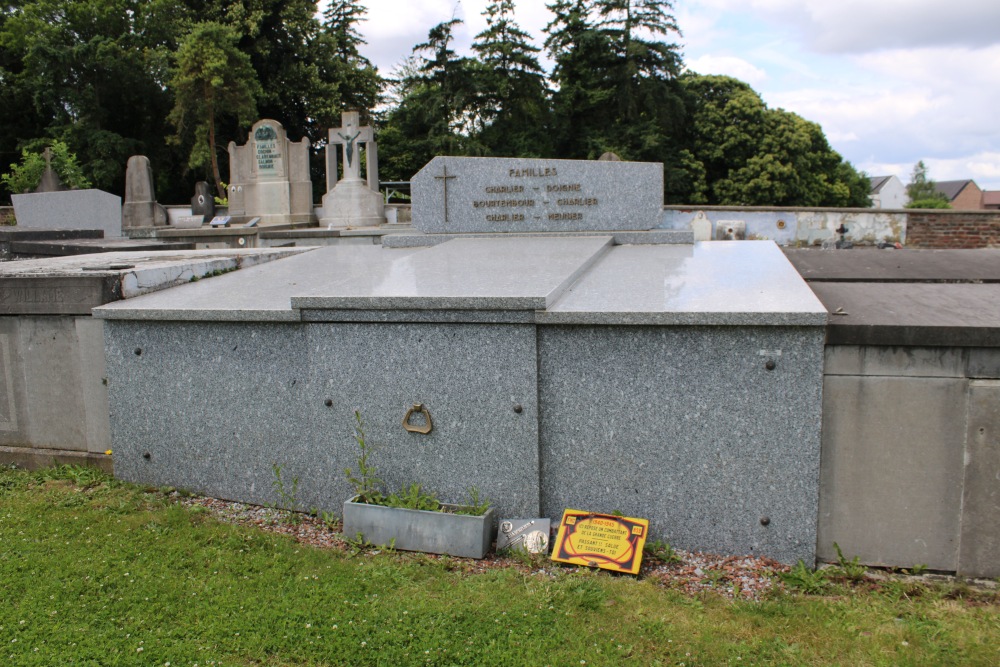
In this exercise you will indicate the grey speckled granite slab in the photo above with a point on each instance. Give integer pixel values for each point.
(560, 402)
(687, 427)
(470, 274)
(740, 283)
(260, 293)
(467, 194)
(216, 405)
(652, 237)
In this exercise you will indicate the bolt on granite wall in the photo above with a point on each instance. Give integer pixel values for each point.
(217, 405)
(687, 426)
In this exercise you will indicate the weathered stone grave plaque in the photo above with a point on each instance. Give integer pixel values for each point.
(605, 541)
(459, 194)
(530, 535)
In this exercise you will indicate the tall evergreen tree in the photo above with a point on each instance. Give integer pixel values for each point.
(436, 94)
(353, 81)
(213, 78)
(922, 191)
(616, 86)
(512, 105)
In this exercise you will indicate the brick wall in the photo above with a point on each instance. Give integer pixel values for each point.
(953, 229)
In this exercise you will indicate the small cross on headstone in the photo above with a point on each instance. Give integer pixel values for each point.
(444, 179)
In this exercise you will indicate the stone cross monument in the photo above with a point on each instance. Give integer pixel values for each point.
(50, 180)
(350, 201)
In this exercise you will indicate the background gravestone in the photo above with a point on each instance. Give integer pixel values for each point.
(203, 202)
(71, 209)
(269, 177)
(140, 208)
(50, 179)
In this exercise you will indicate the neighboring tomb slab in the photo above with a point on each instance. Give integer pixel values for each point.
(70, 209)
(459, 194)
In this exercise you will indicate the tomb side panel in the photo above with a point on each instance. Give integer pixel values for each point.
(981, 493)
(686, 426)
(216, 406)
(478, 383)
(891, 485)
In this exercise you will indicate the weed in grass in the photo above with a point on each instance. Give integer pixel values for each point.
(287, 494)
(661, 551)
(801, 578)
(918, 569)
(850, 569)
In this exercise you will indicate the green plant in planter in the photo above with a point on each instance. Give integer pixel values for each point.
(366, 484)
(474, 505)
(414, 497)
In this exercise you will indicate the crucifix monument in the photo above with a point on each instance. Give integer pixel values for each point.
(351, 201)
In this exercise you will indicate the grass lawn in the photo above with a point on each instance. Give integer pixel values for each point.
(97, 572)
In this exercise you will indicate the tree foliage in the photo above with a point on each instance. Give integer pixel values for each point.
(511, 106)
(212, 78)
(97, 75)
(26, 175)
(922, 191)
(755, 156)
(114, 78)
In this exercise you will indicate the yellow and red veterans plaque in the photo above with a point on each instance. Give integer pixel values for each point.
(601, 540)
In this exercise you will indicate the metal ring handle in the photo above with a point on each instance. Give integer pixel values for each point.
(418, 408)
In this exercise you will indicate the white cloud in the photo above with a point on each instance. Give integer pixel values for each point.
(859, 26)
(729, 66)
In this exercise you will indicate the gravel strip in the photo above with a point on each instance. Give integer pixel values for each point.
(743, 577)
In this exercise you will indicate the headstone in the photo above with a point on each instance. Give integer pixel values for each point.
(351, 201)
(50, 180)
(460, 194)
(203, 202)
(70, 209)
(269, 177)
(701, 226)
(140, 208)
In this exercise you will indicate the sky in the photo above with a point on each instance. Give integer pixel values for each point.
(890, 81)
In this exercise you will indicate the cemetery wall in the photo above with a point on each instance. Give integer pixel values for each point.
(953, 229)
(939, 229)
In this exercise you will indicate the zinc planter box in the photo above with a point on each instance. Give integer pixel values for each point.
(420, 530)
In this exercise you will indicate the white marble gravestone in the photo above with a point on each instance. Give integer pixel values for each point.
(269, 177)
(352, 201)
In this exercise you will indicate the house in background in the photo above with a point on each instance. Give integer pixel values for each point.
(991, 199)
(964, 195)
(888, 192)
